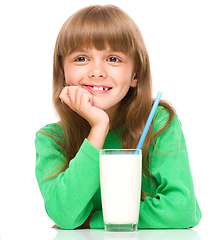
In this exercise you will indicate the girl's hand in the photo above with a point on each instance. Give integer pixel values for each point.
(81, 101)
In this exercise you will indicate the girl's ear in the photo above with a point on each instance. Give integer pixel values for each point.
(134, 81)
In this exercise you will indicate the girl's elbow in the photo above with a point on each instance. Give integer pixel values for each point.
(66, 219)
(65, 223)
(186, 217)
(62, 219)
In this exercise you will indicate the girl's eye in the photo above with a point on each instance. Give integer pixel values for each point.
(81, 59)
(113, 59)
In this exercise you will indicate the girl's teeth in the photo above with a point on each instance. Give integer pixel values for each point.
(95, 88)
(100, 88)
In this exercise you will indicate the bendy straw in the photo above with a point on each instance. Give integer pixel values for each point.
(148, 123)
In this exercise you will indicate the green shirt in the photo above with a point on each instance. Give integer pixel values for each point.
(75, 193)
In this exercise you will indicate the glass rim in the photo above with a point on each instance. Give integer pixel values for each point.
(115, 151)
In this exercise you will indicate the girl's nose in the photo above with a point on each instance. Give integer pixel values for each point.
(97, 71)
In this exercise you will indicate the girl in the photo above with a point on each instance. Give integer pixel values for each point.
(102, 91)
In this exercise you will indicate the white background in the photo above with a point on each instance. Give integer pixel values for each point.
(181, 41)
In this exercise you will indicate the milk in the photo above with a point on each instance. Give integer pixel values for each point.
(120, 178)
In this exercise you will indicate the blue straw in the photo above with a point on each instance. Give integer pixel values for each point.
(148, 123)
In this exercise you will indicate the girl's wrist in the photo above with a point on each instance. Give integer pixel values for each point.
(98, 135)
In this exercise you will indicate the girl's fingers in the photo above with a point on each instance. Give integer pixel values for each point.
(86, 101)
(64, 96)
(72, 91)
(73, 97)
(77, 97)
(83, 97)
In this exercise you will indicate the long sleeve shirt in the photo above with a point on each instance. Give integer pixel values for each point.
(71, 196)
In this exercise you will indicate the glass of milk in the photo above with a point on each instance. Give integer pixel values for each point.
(120, 181)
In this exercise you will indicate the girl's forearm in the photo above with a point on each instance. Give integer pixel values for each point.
(98, 135)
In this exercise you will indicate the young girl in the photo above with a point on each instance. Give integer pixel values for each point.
(102, 91)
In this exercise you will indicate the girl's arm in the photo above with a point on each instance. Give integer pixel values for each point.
(67, 197)
(170, 201)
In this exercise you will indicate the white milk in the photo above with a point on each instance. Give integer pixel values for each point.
(120, 176)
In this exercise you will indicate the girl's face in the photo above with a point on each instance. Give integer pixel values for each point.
(106, 74)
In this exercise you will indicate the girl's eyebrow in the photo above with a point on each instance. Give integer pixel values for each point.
(108, 50)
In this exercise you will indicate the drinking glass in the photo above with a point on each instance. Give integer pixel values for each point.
(120, 181)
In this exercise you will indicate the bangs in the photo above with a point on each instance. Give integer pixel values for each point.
(98, 27)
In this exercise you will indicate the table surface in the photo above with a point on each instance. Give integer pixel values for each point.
(100, 234)
(140, 234)
(39, 230)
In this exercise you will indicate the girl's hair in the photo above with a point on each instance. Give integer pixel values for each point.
(101, 27)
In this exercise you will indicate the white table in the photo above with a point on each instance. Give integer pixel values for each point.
(35, 232)
(139, 235)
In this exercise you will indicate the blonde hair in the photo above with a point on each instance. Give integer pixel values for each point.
(99, 27)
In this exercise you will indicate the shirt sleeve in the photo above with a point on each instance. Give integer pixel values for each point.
(67, 197)
(174, 204)
(97, 221)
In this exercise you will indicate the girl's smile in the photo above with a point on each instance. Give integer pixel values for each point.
(97, 88)
(106, 74)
